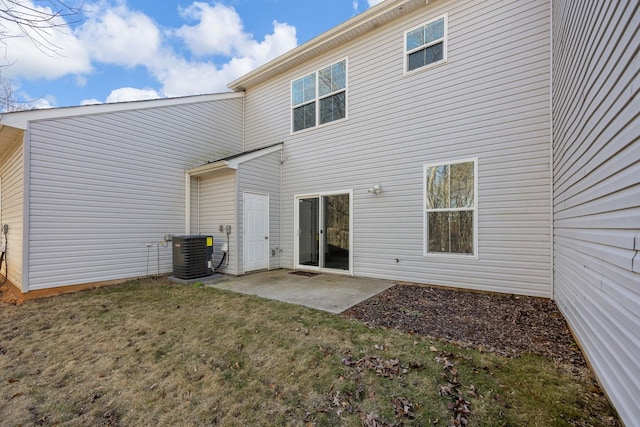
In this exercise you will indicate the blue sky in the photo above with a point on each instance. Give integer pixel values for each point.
(125, 50)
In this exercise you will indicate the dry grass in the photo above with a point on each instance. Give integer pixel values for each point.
(156, 353)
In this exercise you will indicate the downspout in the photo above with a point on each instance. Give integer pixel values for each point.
(238, 246)
(243, 120)
(281, 203)
(187, 203)
(551, 163)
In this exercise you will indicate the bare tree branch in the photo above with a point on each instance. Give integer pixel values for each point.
(37, 22)
(9, 100)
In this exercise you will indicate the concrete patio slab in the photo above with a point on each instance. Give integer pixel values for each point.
(329, 292)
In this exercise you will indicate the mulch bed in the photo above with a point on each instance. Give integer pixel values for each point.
(506, 324)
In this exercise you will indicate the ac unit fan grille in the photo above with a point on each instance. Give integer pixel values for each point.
(191, 257)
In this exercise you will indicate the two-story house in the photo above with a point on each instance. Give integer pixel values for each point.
(487, 145)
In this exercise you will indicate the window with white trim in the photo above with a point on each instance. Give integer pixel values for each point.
(320, 97)
(450, 209)
(426, 45)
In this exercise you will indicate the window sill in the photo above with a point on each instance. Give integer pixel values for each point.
(298, 132)
(425, 68)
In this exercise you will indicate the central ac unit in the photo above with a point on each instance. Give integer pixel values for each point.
(192, 256)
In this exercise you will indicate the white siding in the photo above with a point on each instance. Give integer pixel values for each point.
(11, 174)
(597, 188)
(216, 195)
(104, 186)
(262, 176)
(490, 101)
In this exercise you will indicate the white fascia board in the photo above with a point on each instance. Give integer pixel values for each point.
(21, 119)
(209, 167)
(234, 163)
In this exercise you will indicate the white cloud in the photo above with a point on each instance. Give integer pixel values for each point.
(41, 104)
(282, 40)
(180, 76)
(125, 94)
(91, 101)
(185, 78)
(218, 50)
(374, 2)
(47, 53)
(120, 36)
(218, 30)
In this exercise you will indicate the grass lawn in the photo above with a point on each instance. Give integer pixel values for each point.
(156, 353)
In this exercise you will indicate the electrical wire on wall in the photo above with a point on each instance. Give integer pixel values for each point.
(224, 256)
(3, 243)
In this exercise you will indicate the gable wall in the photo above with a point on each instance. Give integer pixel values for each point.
(597, 188)
(104, 186)
(490, 101)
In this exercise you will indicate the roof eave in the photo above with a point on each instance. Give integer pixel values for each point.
(21, 119)
(234, 161)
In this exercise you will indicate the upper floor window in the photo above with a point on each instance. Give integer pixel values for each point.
(450, 210)
(426, 45)
(320, 97)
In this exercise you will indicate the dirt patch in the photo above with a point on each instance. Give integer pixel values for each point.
(7, 297)
(505, 324)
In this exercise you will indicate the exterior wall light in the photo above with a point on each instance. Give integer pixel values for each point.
(376, 189)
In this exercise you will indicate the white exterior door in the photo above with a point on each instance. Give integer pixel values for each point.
(256, 231)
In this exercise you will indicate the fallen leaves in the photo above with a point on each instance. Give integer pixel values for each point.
(403, 408)
(385, 368)
(458, 404)
(344, 401)
(372, 420)
(503, 324)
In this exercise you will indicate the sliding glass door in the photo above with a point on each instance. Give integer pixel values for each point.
(324, 231)
(309, 231)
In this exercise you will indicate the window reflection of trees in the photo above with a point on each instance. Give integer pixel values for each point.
(337, 220)
(450, 193)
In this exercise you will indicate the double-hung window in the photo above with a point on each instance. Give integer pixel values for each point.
(320, 97)
(450, 208)
(426, 45)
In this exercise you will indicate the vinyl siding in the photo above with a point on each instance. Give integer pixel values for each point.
(12, 208)
(104, 186)
(490, 101)
(216, 195)
(262, 176)
(597, 188)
